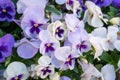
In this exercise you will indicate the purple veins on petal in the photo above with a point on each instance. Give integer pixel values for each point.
(59, 32)
(49, 47)
(46, 70)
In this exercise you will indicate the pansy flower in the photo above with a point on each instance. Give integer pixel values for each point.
(58, 30)
(73, 22)
(27, 49)
(79, 40)
(23, 4)
(6, 45)
(93, 15)
(7, 10)
(44, 68)
(64, 78)
(49, 44)
(16, 71)
(67, 56)
(32, 23)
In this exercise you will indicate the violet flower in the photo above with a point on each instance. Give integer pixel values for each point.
(49, 44)
(6, 44)
(32, 23)
(7, 10)
(79, 40)
(102, 3)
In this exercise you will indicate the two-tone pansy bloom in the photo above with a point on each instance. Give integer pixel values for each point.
(44, 68)
(49, 43)
(16, 71)
(6, 45)
(7, 10)
(80, 40)
(66, 57)
(58, 30)
(33, 21)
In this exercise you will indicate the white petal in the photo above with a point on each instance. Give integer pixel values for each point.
(108, 72)
(44, 36)
(60, 1)
(117, 44)
(99, 32)
(44, 60)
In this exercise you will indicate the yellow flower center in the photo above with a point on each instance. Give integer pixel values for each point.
(45, 69)
(118, 33)
(4, 10)
(108, 41)
(57, 31)
(68, 60)
(16, 78)
(48, 45)
(35, 25)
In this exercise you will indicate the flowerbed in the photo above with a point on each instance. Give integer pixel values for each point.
(59, 39)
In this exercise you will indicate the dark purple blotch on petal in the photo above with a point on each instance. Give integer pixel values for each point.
(59, 32)
(81, 46)
(19, 77)
(49, 47)
(46, 70)
(35, 27)
(69, 60)
(70, 2)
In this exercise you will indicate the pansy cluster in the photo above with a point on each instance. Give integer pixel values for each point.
(60, 40)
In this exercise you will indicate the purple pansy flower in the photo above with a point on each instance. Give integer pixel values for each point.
(79, 40)
(66, 56)
(32, 23)
(6, 44)
(49, 43)
(27, 49)
(102, 2)
(7, 10)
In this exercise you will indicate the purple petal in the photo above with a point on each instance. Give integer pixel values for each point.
(2, 58)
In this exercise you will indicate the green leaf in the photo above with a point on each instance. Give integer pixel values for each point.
(52, 9)
(106, 57)
(7, 61)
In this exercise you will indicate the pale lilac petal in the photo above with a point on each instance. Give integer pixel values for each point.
(116, 44)
(60, 1)
(108, 72)
(26, 51)
(64, 78)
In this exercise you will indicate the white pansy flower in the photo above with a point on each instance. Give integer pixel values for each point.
(58, 30)
(16, 71)
(115, 21)
(55, 76)
(93, 15)
(44, 68)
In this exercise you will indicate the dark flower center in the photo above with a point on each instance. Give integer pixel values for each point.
(118, 33)
(46, 70)
(69, 60)
(49, 47)
(19, 77)
(59, 32)
(81, 46)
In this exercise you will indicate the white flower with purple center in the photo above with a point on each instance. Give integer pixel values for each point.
(32, 23)
(16, 71)
(44, 68)
(80, 40)
(58, 30)
(49, 44)
(66, 56)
